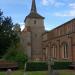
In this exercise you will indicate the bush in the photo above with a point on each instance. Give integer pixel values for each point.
(17, 56)
(36, 66)
(43, 66)
(61, 65)
(21, 59)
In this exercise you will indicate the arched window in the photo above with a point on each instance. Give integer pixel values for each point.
(64, 50)
(54, 51)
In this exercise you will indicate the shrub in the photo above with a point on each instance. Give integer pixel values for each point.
(36, 66)
(43, 66)
(17, 56)
(61, 65)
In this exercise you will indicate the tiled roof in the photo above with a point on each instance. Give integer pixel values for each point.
(34, 15)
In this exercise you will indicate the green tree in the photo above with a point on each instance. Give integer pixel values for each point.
(8, 36)
(10, 47)
(17, 28)
(16, 55)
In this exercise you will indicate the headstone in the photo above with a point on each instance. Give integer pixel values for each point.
(9, 72)
(55, 73)
(25, 67)
(25, 73)
(50, 63)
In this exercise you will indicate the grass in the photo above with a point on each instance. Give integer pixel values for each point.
(61, 72)
(38, 73)
(28, 73)
(67, 72)
(13, 73)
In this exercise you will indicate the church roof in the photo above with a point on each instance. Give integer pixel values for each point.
(33, 7)
(34, 15)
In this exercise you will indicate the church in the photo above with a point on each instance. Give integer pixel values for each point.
(39, 44)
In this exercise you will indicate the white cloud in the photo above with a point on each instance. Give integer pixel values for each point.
(45, 2)
(58, 4)
(70, 13)
(22, 26)
(52, 3)
(72, 5)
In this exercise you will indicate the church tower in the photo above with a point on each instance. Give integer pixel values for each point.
(34, 23)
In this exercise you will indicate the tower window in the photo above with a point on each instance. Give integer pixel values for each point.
(34, 21)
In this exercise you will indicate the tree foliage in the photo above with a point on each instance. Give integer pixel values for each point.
(10, 41)
(8, 36)
(16, 55)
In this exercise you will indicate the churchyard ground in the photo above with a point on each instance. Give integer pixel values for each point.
(21, 72)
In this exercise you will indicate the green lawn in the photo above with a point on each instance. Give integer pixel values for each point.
(67, 72)
(38, 73)
(13, 73)
(28, 73)
(62, 72)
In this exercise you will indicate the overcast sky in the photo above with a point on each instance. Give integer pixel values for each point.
(56, 12)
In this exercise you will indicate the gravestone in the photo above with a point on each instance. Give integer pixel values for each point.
(50, 68)
(25, 73)
(55, 72)
(50, 63)
(9, 72)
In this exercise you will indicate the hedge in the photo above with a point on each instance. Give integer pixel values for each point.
(61, 65)
(43, 66)
(36, 66)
